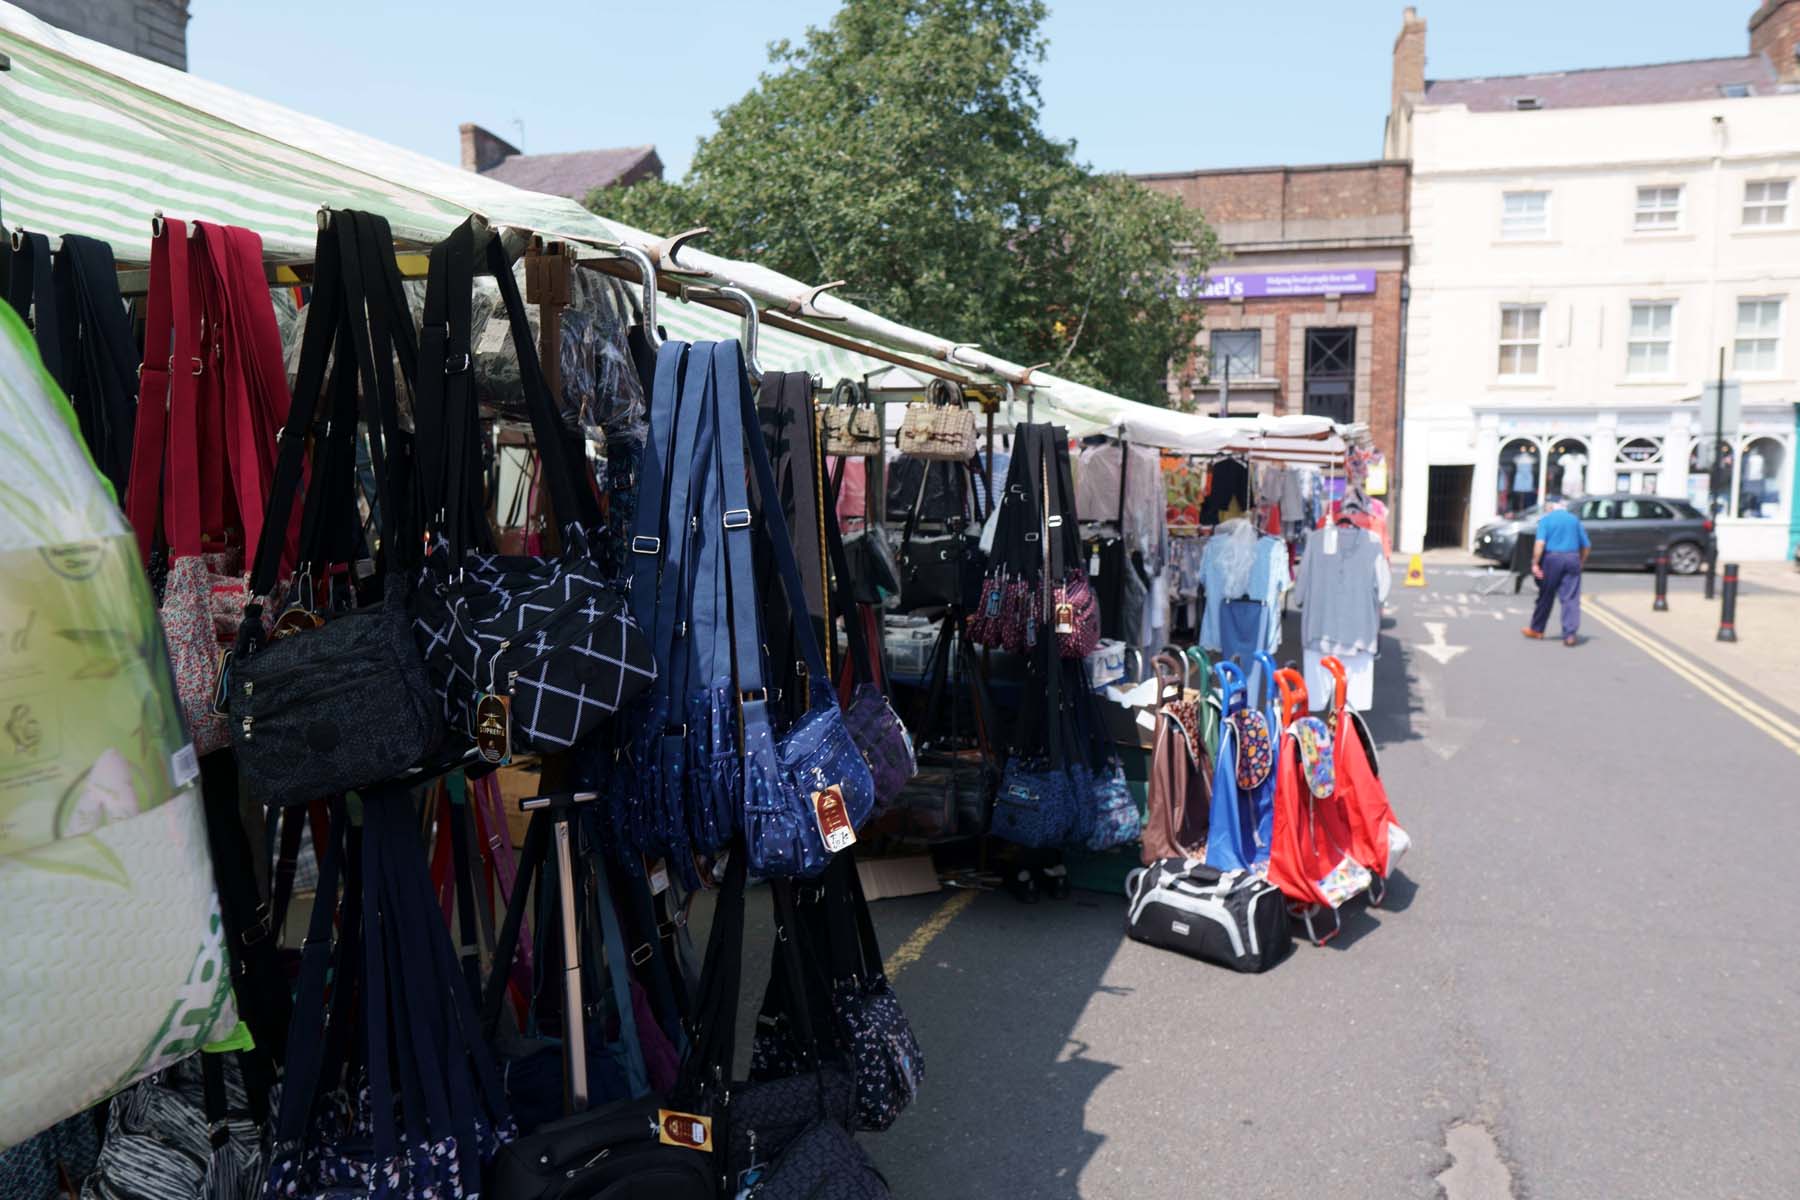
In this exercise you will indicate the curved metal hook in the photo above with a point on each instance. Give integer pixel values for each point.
(752, 323)
(808, 305)
(665, 250)
(950, 354)
(647, 273)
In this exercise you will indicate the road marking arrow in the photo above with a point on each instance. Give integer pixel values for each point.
(1437, 647)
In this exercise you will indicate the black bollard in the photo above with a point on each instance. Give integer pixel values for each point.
(1712, 565)
(1662, 580)
(1728, 605)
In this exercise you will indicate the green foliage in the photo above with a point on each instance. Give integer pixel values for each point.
(899, 148)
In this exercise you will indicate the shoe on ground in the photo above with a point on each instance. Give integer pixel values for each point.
(1569, 641)
(1533, 634)
(1054, 882)
(1023, 886)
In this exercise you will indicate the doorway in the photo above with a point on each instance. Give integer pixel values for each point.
(1447, 506)
(1331, 374)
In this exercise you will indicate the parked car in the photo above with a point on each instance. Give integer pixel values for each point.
(1626, 530)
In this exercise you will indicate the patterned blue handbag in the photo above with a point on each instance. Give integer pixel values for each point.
(1035, 806)
(1106, 813)
(804, 795)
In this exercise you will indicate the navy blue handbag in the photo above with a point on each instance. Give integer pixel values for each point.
(804, 795)
(1107, 814)
(1035, 805)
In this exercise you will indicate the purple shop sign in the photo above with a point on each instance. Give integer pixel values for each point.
(1252, 284)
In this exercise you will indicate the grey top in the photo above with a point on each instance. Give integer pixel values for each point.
(1340, 594)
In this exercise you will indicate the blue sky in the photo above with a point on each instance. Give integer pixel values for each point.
(1140, 85)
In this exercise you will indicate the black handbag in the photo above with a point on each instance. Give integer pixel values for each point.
(1230, 918)
(334, 702)
(943, 570)
(534, 652)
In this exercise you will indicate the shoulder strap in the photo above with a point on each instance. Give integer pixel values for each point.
(168, 280)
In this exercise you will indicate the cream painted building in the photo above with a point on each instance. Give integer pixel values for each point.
(1584, 245)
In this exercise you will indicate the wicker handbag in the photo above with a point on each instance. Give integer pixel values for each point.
(939, 427)
(851, 424)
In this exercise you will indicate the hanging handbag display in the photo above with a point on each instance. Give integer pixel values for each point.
(203, 455)
(852, 427)
(939, 428)
(525, 652)
(335, 697)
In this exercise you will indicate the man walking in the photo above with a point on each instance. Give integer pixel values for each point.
(1556, 560)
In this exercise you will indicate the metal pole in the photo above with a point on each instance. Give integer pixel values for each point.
(576, 1042)
(1662, 579)
(1225, 390)
(1720, 481)
(1728, 605)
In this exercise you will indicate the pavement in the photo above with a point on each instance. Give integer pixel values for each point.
(1582, 985)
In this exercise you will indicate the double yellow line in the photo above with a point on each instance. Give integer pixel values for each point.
(1782, 730)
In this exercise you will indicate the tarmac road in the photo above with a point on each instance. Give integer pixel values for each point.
(1587, 971)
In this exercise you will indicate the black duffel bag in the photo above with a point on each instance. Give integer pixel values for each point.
(1230, 918)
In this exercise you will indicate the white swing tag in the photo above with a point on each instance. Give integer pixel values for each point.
(1331, 538)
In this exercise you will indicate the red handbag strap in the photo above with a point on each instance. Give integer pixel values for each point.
(256, 396)
(210, 385)
(168, 338)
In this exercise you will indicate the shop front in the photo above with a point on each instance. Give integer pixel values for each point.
(1525, 457)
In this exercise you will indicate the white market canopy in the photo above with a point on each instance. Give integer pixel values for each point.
(94, 140)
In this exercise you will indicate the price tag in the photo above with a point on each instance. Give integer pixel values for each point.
(659, 877)
(493, 728)
(184, 765)
(686, 1130)
(1331, 538)
(1094, 564)
(833, 818)
(493, 337)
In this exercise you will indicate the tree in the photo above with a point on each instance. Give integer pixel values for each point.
(899, 148)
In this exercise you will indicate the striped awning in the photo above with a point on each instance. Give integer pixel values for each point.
(94, 140)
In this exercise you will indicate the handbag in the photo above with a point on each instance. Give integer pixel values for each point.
(203, 454)
(534, 652)
(803, 796)
(324, 704)
(939, 428)
(942, 570)
(880, 735)
(189, 1133)
(1108, 814)
(1006, 615)
(852, 426)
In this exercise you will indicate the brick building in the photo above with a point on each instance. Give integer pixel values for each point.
(152, 29)
(574, 174)
(1306, 307)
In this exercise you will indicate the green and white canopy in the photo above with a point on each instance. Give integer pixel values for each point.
(94, 140)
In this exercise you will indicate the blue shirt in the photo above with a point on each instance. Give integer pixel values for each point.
(1561, 532)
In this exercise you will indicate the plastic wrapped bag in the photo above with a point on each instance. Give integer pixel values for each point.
(115, 962)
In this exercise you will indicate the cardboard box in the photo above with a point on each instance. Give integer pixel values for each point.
(885, 878)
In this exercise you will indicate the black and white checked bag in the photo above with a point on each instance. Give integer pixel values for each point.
(544, 633)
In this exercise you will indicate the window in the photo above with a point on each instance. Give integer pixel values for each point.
(1237, 352)
(1527, 103)
(1524, 215)
(1758, 345)
(1649, 346)
(1645, 510)
(1598, 510)
(1658, 208)
(1765, 202)
(1330, 384)
(1734, 91)
(1520, 326)
(1759, 478)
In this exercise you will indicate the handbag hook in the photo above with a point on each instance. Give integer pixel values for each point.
(752, 318)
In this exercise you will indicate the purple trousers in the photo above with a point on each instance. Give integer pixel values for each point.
(1562, 580)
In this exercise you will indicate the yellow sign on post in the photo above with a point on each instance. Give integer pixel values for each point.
(1415, 571)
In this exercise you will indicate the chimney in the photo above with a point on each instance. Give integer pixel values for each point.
(481, 150)
(1409, 59)
(1775, 32)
